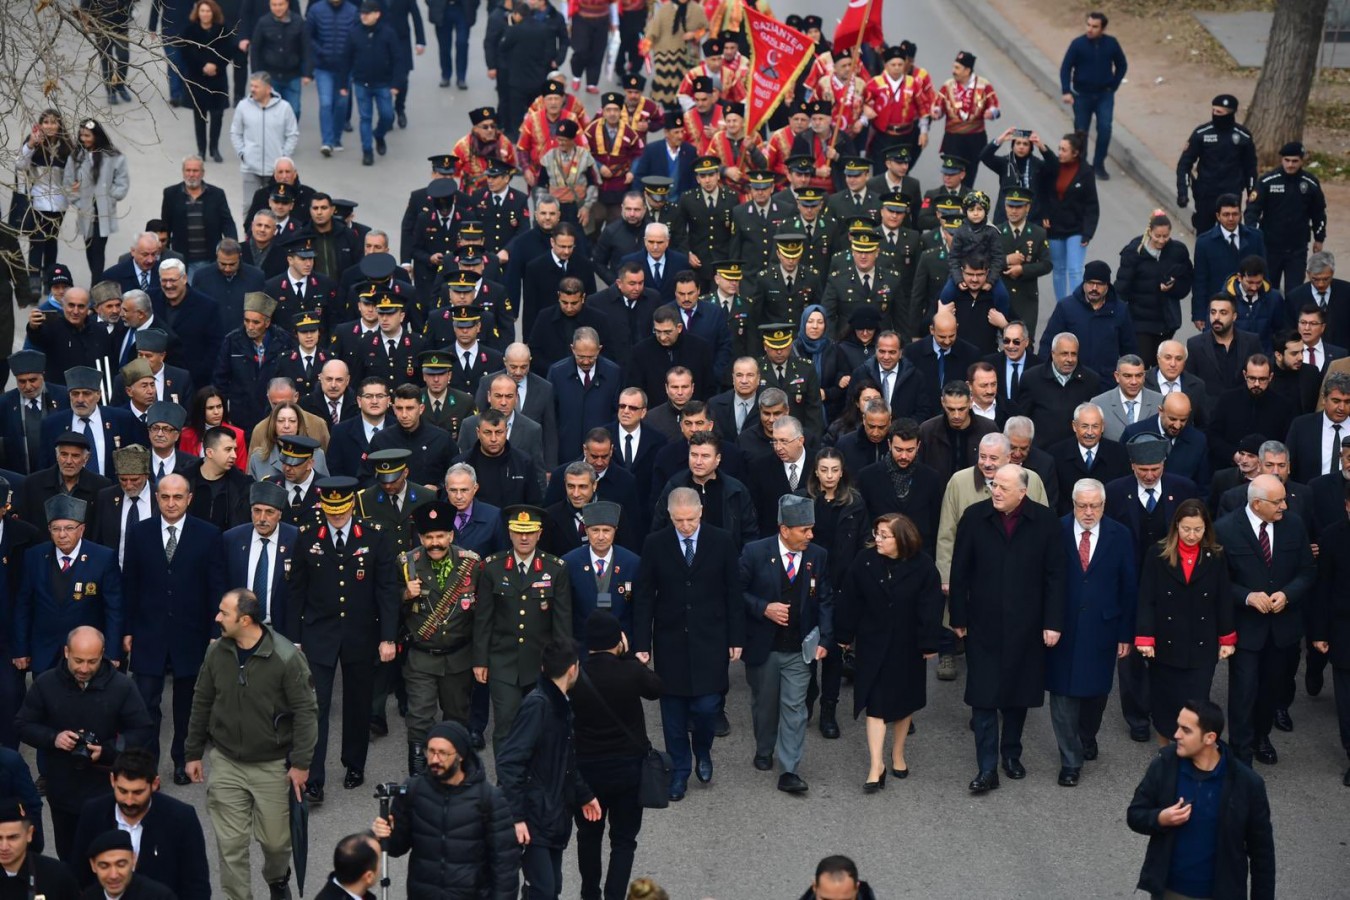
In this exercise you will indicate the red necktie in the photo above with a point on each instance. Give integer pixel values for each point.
(792, 566)
(1085, 549)
(1265, 544)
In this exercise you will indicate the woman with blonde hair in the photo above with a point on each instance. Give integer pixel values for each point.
(264, 458)
(1154, 277)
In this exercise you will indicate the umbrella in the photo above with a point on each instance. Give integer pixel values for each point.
(299, 836)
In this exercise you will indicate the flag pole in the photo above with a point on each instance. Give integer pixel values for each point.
(855, 53)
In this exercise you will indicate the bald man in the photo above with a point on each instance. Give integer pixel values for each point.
(941, 356)
(1189, 453)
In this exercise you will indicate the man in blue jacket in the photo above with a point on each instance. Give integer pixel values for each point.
(331, 26)
(1092, 70)
(1099, 320)
(373, 64)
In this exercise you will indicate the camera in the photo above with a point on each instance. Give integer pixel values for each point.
(81, 750)
(389, 790)
(1024, 133)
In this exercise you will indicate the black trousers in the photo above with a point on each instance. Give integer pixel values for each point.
(990, 742)
(1341, 684)
(615, 783)
(629, 59)
(151, 688)
(542, 868)
(1317, 663)
(1134, 693)
(1286, 266)
(826, 677)
(590, 37)
(12, 690)
(358, 680)
(1256, 679)
(64, 824)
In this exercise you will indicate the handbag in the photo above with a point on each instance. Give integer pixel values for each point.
(657, 768)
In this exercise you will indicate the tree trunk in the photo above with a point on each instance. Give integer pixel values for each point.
(1279, 106)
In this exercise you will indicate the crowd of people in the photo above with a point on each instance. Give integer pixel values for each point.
(696, 400)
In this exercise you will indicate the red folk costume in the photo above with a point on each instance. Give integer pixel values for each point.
(736, 79)
(847, 99)
(729, 89)
(898, 105)
(646, 111)
(572, 108)
(964, 105)
(818, 148)
(472, 157)
(698, 134)
(777, 149)
(747, 154)
(618, 153)
(537, 137)
(822, 67)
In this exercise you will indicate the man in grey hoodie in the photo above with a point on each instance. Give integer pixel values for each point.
(264, 128)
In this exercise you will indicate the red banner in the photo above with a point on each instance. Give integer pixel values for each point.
(861, 24)
(777, 56)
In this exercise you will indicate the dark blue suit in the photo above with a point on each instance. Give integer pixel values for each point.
(52, 603)
(173, 847)
(120, 429)
(655, 160)
(485, 532)
(125, 273)
(580, 408)
(196, 326)
(709, 322)
(1215, 260)
(170, 613)
(18, 455)
(1189, 456)
(623, 573)
(17, 537)
(672, 263)
(236, 542)
(347, 445)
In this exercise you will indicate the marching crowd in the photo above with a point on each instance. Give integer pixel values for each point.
(654, 397)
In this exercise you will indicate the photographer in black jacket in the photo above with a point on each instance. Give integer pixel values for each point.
(457, 825)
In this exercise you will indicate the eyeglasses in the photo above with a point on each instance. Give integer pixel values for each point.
(1012, 342)
(162, 429)
(628, 407)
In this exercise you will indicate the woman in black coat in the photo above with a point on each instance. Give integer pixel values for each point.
(1154, 276)
(890, 613)
(1067, 195)
(1184, 622)
(1017, 168)
(206, 51)
(813, 344)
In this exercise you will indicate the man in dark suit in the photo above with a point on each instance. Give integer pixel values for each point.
(1087, 454)
(1050, 392)
(192, 317)
(616, 484)
(620, 237)
(602, 572)
(783, 472)
(732, 411)
(1311, 321)
(550, 337)
(138, 269)
(1020, 431)
(478, 524)
(1170, 375)
(1144, 501)
(950, 441)
(1332, 294)
(16, 536)
(107, 428)
(1271, 575)
(660, 264)
(706, 318)
(534, 396)
(70, 337)
(627, 305)
(539, 284)
(1188, 455)
(636, 446)
(1218, 354)
(923, 503)
(1251, 407)
(903, 387)
(173, 577)
(586, 388)
(470, 358)
(122, 505)
(210, 206)
(260, 553)
(67, 582)
(349, 440)
(657, 156)
(789, 618)
(1218, 252)
(688, 610)
(23, 408)
(227, 280)
(670, 347)
(172, 383)
(942, 357)
(70, 475)
(1314, 439)
(866, 444)
(172, 845)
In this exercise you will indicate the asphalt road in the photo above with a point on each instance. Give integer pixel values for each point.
(740, 838)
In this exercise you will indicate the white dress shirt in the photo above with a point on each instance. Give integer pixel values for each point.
(1331, 443)
(622, 447)
(991, 413)
(1320, 348)
(1142, 491)
(136, 831)
(1094, 533)
(255, 549)
(144, 509)
(370, 429)
(96, 433)
(1255, 522)
(797, 556)
(164, 526)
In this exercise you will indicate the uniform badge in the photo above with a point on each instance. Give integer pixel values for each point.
(466, 602)
(360, 574)
(79, 587)
(1303, 187)
(1237, 138)
(91, 589)
(543, 605)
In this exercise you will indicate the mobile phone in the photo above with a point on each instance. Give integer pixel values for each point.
(1021, 132)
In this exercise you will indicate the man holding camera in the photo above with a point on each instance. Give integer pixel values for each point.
(72, 714)
(452, 806)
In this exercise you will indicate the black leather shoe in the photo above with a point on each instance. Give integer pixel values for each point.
(180, 776)
(41, 785)
(1068, 777)
(791, 783)
(764, 763)
(1089, 750)
(871, 787)
(1346, 780)
(280, 890)
(703, 769)
(314, 794)
(1013, 769)
(367, 159)
(355, 778)
(984, 782)
(678, 786)
(476, 738)
(379, 726)
(1103, 175)
(1282, 720)
(216, 157)
(402, 119)
(1313, 681)
(1139, 733)
(829, 726)
(1265, 752)
(381, 147)
(723, 726)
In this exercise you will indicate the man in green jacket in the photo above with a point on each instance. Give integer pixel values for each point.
(255, 702)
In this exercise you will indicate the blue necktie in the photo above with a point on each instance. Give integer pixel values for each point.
(92, 465)
(1152, 501)
(1088, 459)
(688, 551)
(942, 367)
(262, 577)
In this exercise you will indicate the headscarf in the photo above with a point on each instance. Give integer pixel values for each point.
(809, 349)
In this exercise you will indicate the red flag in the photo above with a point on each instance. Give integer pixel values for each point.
(777, 56)
(863, 17)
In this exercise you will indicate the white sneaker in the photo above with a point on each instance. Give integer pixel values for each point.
(326, 150)
(338, 148)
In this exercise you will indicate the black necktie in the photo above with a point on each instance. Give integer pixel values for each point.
(262, 577)
(435, 407)
(628, 450)
(296, 497)
(309, 367)
(133, 513)
(339, 542)
(1334, 462)
(1015, 380)
(688, 551)
(390, 344)
(497, 200)
(398, 507)
(32, 429)
(92, 464)
(1232, 239)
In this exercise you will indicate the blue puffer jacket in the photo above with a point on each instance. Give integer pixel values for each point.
(330, 33)
(1104, 335)
(373, 58)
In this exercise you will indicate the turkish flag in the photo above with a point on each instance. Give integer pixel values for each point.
(862, 16)
(777, 56)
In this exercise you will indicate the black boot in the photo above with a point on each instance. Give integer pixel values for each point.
(417, 759)
(829, 728)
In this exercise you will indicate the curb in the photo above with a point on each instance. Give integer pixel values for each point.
(1129, 154)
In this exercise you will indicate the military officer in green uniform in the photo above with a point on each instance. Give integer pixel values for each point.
(656, 193)
(439, 606)
(947, 208)
(446, 407)
(953, 173)
(743, 316)
(813, 223)
(785, 288)
(800, 171)
(524, 601)
(899, 157)
(901, 246)
(754, 223)
(1026, 255)
(930, 275)
(702, 222)
(793, 375)
(863, 283)
(856, 199)
(841, 245)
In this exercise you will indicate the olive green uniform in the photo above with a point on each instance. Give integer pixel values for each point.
(438, 628)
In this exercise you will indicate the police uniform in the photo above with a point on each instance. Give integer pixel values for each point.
(845, 290)
(438, 628)
(1024, 290)
(1220, 158)
(701, 228)
(752, 231)
(398, 366)
(294, 366)
(344, 597)
(928, 214)
(480, 362)
(520, 609)
(420, 201)
(774, 299)
(1289, 209)
(450, 411)
(349, 340)
(799, 381)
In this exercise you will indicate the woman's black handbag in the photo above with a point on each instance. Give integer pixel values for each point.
(657, 766)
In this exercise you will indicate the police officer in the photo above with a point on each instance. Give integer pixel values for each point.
(471, 359)
(793, 375)
(419, 201)
(439, 606)
(1289, 207)
(458, 286)
(1220, 158)
(524, 601)
(435, 233)
(446, 407)
(344, 600)
(300, 287)
(46, 876)
(1026, 256)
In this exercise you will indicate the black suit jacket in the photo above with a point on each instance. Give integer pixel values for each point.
(125, 273)
(539, 283)
(1292, 570)
(672, 264)
(624, 327)
(911, 397)
(173, 848)
(722, 410)
(17, 453)
(999, 362)
(1193, 386)
(643, 464)
(1050, 406)
(215, 216)
(1122, 504)
(1109, 463)
(1305, 446)
(650, 361)
(1219, 375)
(921, 355)
(1337, 309)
